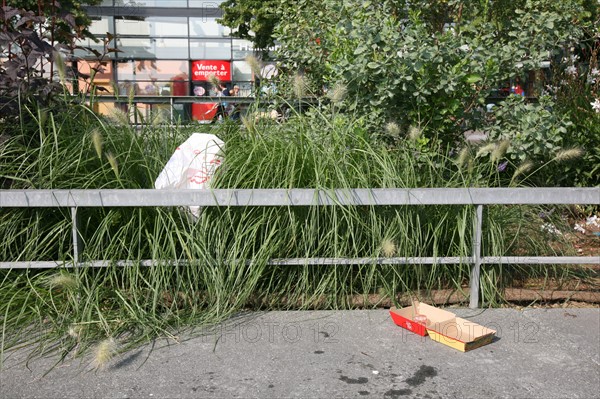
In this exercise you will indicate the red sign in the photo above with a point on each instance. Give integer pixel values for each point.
(202, 70)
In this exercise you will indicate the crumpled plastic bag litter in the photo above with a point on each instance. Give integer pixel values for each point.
(192, 165)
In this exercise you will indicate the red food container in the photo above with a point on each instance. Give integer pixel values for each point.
(443, 326)
(405, 317)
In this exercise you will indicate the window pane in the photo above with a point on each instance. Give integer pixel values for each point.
(245, 89)
(153, 48)
(144, 70)
(153, 26)
(242, 49)
(210, 49)
(136, 48)
(207, 27)
(101, 26)
(102, 77)
(154, 78)
(88, 43)
(171, 48)
(153, 88)
(154, 3)
(241, 71)
(205, 3)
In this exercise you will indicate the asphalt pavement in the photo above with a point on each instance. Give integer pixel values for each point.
(537, 353)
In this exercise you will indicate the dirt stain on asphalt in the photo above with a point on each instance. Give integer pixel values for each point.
(394, 393)
(359, 380)
(421, 375)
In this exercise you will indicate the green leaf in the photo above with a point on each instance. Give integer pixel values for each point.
(473, 78)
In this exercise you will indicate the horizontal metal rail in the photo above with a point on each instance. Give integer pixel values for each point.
(450, 260)
(166, 100)
(478, 197)
(297, 197)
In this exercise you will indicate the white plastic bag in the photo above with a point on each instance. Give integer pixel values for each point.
(192, 165)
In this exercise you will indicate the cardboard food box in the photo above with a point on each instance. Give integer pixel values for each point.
(443, 326)
(405, 317)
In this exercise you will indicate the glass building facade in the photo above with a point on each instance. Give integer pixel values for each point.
(163, 45)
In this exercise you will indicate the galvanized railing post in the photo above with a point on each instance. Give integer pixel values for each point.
(476, 267)
(172, 113)
(77, 242)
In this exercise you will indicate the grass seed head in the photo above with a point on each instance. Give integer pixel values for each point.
(338, 93)
(388, 248)
(112, 160)
(392, 129)
(104, 352)
(254, 64)
(463, 157)
(214, 81)
(500, 150)
(414, 133)
(119, 116)
(62, 281)
(299, 85)
(249, 122)
(97, 141)
(569, 154)
(523, 168)
(486, 149)
(59, 61)
(75, 331)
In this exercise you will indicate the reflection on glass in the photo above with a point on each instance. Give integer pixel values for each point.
(171, 48)
(155, 77)
(136, 48)
(101, 26)
(102, 75)
(205, 3)
(241, 71)
(153, 26)
(242, 48)
(153, 3)
(152, 69)
(83, 52)
(210, 49)
(207, 27)
(153, 48)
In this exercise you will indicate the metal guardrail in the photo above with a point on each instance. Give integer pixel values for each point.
(477, 197)
(175, 104)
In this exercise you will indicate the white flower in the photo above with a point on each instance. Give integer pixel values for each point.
(465, 47)
(550, 228)
(592, 221)
(595, 71)
(571, 70)
(596, 105)
(574, 58)
(400, 53)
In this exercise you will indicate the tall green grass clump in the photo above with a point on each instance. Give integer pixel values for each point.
(224, 261)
